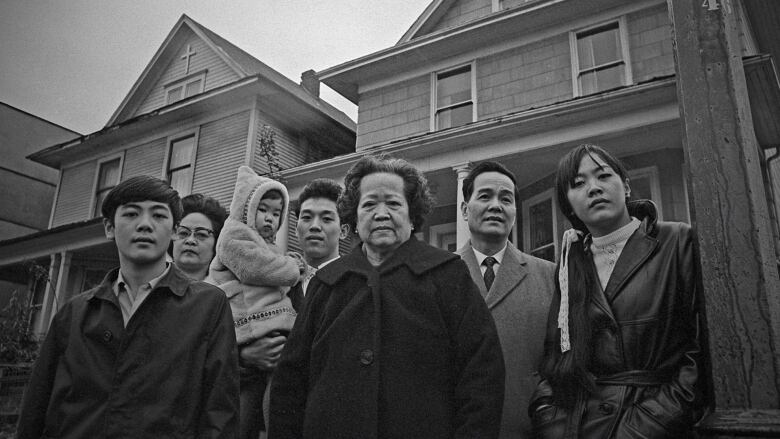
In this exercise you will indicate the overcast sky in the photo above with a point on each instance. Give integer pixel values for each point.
(73, 61)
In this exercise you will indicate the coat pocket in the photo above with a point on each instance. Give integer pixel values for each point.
(638, 423)
(549, 422)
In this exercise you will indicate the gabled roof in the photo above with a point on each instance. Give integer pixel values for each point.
(242, 63)
(430, 16)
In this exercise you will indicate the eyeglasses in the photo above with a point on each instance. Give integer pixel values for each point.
(201, 233)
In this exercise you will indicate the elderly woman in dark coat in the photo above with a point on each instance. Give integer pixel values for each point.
(394, 340)
(623, 355)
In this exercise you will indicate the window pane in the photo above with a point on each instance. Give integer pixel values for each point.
(640, 188)
(180, 180)
(606, 46)
(109, 174)
(588, 83)
(193, 88)
(585, 53)
(181, 152)
(547, 253)
(99, 197)
(453, 87)
(174, 95)
(454, 117)
(610, 78)
(541, 226)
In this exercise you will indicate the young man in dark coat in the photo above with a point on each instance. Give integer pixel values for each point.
(147, 353)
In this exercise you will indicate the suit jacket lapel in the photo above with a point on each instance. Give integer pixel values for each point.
(510, 273)
(467, 254)
(635, 253)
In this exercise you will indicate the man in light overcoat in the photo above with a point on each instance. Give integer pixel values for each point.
(517, 287)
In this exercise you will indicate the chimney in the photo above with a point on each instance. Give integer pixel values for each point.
(311, 83)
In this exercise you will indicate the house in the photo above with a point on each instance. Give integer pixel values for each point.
(200, 108)
(669, 86)
(25, 211)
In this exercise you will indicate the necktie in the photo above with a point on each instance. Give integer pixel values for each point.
(309, 276)
(490, 275)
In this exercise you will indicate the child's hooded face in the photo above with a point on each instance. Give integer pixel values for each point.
(268, 217)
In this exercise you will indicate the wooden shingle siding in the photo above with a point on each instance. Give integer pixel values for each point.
(534, 75)
(221, 150)
(75, 194)
(394, 112)
(650, 43)
(292, 151)
(219, 73)
(463, 11)
(146, 159)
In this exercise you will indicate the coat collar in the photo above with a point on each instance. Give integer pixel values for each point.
(417, 256)
(638, 248)
(175, 281)
(510, 273)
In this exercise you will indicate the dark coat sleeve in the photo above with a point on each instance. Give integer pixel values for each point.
(32, 417)
(220, 397)
(479, 388)
(678, 403)
(290, 384)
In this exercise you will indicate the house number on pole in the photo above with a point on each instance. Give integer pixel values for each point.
(714, 5)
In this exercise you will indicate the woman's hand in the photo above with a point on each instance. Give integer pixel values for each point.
(263, 353)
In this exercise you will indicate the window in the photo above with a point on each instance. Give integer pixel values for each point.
(107, 178)
(454, 98)
(600, 58)
(184, 88)
(444, 236)
(644, 184)
(540, 226)
(180, 157)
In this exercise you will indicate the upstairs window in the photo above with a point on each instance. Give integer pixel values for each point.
(600, 58)
(107, 178)
(181, 154)
(184, 88)
(454, 98)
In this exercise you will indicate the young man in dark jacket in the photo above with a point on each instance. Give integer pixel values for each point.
(147, 353)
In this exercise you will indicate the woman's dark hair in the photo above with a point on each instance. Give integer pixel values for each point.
(209, 207)
(416, 190)
(569, 372)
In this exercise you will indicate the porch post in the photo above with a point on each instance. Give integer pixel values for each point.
(281, 234)
(462, 230)
(62, 281)
(729, 210)
(41, 324)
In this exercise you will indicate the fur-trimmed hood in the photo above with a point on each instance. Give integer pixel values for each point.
(249, 190)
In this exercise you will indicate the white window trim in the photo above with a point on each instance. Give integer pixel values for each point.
(436, 232)
(434, 78)
(495, 5)
(93, 200)
(195, 132)
(201, 75)
(625, 52)
(650, 172)
(526, 206)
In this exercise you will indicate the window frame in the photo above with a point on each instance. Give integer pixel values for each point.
(96, 179)
(195, 134)
(434, 125)
(440, 234)
(650, 172)
(182, 83)
(624, 51)
(548, 194)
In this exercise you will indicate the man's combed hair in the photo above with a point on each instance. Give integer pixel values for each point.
(489, 166)
(138, 189)
(319, 188)
(207, 206)
(418, 195)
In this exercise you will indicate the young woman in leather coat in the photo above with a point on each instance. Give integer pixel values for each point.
(623, 356)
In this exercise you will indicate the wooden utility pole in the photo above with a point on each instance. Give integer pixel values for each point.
(729, 210)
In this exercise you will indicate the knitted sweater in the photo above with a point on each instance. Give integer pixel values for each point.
(254, 274)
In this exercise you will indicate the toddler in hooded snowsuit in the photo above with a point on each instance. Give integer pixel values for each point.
(254, 273)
